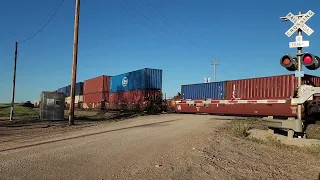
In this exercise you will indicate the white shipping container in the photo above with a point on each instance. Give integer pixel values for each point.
(67, 100)
(77, 99)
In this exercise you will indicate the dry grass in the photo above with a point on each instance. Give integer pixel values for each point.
(240, 128)
(313, 131)
(257, 140)
(312, 149)
(103, 116)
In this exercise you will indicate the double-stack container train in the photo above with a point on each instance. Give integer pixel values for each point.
(96, 92)
(141, 90)
(264, 96)
(66, 90)
(135, 90)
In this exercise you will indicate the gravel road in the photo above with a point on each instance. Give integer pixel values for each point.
(151, 147)
(141, 148)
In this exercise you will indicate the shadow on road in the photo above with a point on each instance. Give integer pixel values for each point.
(157, 124)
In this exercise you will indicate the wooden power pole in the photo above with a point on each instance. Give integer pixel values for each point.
(215, 63)
(74, 61)
(14, 81)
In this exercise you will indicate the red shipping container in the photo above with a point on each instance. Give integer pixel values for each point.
(131, 100)
(93, 101)
(96, 97)
(272, 87)
(97, 84)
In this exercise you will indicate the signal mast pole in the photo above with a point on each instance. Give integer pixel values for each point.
(215, 63)
(299, 115)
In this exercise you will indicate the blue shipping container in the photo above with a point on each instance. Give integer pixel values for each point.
(140, 79)
(79, 89)
(65, 90)
(68, 90)
(214, 90)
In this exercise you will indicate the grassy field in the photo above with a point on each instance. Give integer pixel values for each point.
(19, 111)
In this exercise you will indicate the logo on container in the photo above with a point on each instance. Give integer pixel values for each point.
(124, 81)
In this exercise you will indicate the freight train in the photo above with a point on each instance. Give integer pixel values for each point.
(141, 90)
(265, 96)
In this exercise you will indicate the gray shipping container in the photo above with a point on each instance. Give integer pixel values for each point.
(52, 106)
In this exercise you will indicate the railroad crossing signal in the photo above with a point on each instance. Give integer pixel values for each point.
(299, 23)
(310, 61)
(289, 62)
(292, 63)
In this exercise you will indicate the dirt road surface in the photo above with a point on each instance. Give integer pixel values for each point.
(144, 147)
(151, 147)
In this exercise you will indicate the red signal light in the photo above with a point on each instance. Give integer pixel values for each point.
(307, 59)
(311, 62)
(289, 62)
(286, 61)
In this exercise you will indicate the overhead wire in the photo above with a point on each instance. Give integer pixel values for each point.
(143, 23)
(152, 22)
(165, 20)
(30, 37)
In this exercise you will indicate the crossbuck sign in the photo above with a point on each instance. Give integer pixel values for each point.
(299, 23)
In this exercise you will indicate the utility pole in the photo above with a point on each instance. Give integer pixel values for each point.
(74, 61)
(14, 80)
(215, 63)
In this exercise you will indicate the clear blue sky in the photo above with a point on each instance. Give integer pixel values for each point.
(247, 36)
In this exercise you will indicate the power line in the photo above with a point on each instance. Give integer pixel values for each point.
(44, 24)
(138, 19)
(164, 19)
(151, 22)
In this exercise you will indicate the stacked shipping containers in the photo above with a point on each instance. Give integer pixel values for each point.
(272, 87)
(96, 91)
(65, 90)
(132, 90)
(78, 99)
(281, 87)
